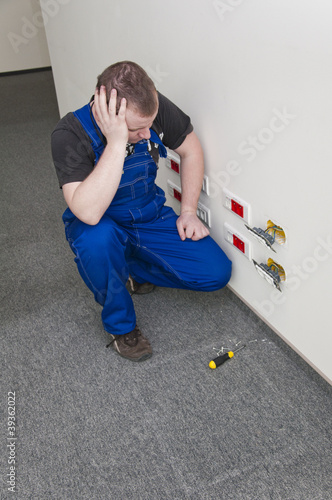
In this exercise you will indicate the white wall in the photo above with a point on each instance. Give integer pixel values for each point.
(23, 42)
(235, 66)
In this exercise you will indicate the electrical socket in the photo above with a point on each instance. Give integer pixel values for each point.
(266, 272)
(173, 162)
(174, 190)
(205, 186)
(204, 213)
(236, 205)
(237, 240)
(262, 236)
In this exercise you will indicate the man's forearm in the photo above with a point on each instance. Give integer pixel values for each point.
(91, 198)
(192, 172)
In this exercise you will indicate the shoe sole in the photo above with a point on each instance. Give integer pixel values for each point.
(144, 357)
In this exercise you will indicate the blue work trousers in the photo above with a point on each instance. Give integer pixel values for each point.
(151, 251)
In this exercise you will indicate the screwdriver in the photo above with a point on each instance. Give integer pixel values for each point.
(224, 357)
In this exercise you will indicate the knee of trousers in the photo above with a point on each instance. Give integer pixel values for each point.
(100, 252)
(222, 273)
(214, 273)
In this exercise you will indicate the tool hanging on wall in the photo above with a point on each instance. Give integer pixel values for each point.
(224, 357)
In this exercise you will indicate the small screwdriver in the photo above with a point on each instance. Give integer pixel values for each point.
(224, 357)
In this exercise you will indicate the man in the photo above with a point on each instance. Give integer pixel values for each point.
(117, 225)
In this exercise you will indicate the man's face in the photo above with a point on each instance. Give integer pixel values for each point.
(138, 126)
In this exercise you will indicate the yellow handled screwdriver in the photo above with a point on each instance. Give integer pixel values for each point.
(224, 357)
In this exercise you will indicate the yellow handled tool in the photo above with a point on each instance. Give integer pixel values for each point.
(224, 357)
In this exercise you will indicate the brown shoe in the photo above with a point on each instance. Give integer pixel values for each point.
(132, 345)
(140, 288)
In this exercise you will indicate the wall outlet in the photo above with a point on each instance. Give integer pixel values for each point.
(205, 186)
(262, 236)
(173, 162)
(268, 273)
(237, 240)
(236, 205)
(204, 213)
(174, 190)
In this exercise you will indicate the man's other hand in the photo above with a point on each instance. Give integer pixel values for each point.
(189, 226)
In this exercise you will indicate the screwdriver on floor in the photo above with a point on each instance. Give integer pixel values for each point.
(224, 357)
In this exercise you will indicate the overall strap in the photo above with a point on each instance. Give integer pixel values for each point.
(156, 139)
(145, 145)
(85, 117)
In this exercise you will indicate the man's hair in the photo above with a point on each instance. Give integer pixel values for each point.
(133, 83)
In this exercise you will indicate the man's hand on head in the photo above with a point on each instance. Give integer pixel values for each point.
(113, 126)
(189, 226)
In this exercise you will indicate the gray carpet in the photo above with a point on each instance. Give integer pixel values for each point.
(91, 425)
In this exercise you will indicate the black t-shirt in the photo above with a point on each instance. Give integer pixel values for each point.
(72, 152)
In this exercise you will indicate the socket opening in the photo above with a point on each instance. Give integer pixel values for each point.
(277, 267)
(276, 231)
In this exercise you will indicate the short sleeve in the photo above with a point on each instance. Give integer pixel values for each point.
(172, 123)
(72, 152)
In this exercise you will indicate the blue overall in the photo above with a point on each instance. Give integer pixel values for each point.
(137, 235)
